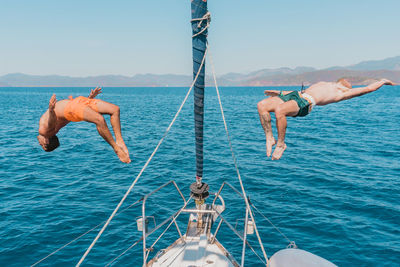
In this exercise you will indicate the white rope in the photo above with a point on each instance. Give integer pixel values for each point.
(234, 158)
(206, 17)
(145, 165)
(64, 246)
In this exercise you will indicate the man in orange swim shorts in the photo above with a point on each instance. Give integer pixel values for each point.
(60, 113)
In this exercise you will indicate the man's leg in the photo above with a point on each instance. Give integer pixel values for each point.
(114, 112)
(90, 115)
(264, 108)
(289, 108)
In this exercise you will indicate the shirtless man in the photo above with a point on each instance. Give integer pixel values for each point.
(60, 113)
(295, 103)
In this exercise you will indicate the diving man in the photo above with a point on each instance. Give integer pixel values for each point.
(295, 103)
(60, 113)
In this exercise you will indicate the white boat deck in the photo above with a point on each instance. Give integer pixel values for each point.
(196, 251)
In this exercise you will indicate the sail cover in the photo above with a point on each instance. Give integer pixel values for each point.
(199, 9)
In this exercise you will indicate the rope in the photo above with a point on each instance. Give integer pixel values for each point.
(145, 165)
(234, 159)
(123, 253)
(64, 246)
(206, 17)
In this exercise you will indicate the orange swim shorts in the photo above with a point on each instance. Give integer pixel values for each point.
(74, 109)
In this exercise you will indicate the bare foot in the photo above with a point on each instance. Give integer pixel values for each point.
(269, 144)
(122, 145)
(122, 155)
(278, 152)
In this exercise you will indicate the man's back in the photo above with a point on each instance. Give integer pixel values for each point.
(60, 122)
(326, 92)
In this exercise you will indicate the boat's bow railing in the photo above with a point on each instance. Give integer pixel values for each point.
(173, 217)
(214, 210)
(146, 233)
(248, 225)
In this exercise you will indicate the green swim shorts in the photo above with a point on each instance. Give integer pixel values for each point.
(303, 104)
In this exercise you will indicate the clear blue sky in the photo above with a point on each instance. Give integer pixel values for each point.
(82, 38)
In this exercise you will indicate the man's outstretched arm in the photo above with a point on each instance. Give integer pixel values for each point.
(47, 127)
(365, 90)
(94, 92)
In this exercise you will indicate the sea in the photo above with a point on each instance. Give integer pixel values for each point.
(335, 192)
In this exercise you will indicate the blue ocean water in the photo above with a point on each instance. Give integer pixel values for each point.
(335, 191)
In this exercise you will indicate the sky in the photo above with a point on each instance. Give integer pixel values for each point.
(128, 37)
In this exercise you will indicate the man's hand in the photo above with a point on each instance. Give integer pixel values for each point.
(52, 102)
(272, 92)
(387, 82)
(95, 92)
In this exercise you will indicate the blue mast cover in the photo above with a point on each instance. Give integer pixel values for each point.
(199, 42)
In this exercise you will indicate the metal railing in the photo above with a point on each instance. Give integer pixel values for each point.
(244, 238)
(172, 220)
(145, 252)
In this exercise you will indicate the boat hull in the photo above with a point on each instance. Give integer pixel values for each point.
(291, 257)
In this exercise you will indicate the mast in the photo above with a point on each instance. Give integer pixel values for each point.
(200, 21)
(199, 42)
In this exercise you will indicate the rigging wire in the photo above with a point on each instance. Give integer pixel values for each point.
(265, 217)
(82, 235)
(291, 243)
(234, 158)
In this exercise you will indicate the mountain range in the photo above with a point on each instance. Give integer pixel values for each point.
(359, 74)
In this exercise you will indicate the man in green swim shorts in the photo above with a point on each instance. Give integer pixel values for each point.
(299, 104)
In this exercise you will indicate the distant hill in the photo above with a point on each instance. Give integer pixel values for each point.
(356, 77)
(361, 73)
(4, 84)
(392, 63)
(141, 80)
